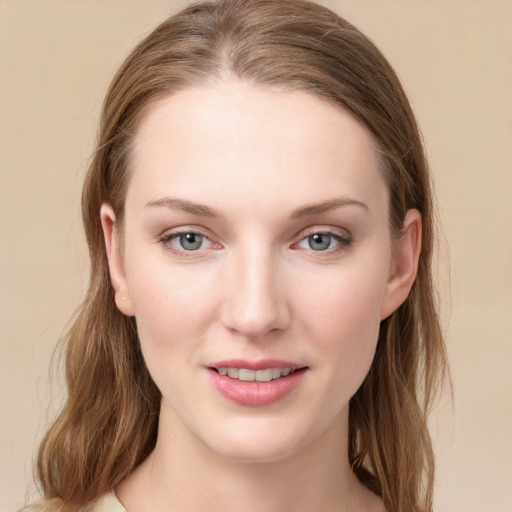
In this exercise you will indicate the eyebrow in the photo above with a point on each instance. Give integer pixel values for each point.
(299, 213)
(332, 204)
(186, 206)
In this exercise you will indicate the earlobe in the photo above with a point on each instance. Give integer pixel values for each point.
(404, 265)
(115, 260)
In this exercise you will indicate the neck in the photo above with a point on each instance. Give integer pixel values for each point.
(183, 474)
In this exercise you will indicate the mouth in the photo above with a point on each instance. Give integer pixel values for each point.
(252, 383)
(247, 375)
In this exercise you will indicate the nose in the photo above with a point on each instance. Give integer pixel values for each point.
(255, 297)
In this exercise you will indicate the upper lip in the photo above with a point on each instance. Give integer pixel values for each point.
(261, 364)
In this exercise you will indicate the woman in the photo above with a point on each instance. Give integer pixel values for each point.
(260, 329)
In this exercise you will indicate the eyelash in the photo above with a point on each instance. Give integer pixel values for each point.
(343, 242)
(166, 239)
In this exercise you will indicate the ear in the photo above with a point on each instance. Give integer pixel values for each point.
(404, 264)
(115, 260)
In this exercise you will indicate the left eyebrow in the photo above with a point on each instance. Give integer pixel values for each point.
(315, 209)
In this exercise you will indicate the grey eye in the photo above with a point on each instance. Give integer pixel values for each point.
(319, 241)
(190, 241)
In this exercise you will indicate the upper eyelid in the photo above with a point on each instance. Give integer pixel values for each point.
(176, 234)
(170, 232)
(327, 230)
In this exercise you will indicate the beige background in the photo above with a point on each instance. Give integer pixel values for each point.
(455, 58)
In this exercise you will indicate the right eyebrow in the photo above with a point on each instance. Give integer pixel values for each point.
(184, 205)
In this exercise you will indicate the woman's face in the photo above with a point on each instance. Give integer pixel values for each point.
(258, 263)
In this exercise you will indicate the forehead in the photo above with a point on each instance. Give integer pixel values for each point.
(207, 141)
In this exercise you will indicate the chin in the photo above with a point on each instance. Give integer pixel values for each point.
(255, 453)
(257, 443)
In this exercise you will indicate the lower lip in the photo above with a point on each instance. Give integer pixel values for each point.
(256, 393)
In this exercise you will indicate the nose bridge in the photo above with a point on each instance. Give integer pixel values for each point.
(254, 303)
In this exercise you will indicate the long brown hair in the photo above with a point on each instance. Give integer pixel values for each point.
(109, 422)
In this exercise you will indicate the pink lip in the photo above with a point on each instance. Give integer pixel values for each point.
(256, 393)
(263, 364)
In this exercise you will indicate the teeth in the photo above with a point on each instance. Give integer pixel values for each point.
(246, 375)
(263, 375)
(233, 373)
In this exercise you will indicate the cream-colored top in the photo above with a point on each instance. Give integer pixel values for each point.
(107, 503)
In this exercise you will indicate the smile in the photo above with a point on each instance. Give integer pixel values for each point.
(256, 383)
(246, 375)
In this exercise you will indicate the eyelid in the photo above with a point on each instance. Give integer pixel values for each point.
(342, 236)
(184, 229)
(343, 233)
(167, 236)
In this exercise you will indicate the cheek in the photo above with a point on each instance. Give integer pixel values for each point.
(343, 317)
(171, 309)
(170, 304)
(345, 297)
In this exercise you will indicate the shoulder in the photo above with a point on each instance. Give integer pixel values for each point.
(106, 503)
(42, 506)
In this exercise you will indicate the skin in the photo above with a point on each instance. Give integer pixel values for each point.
(255, 289)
